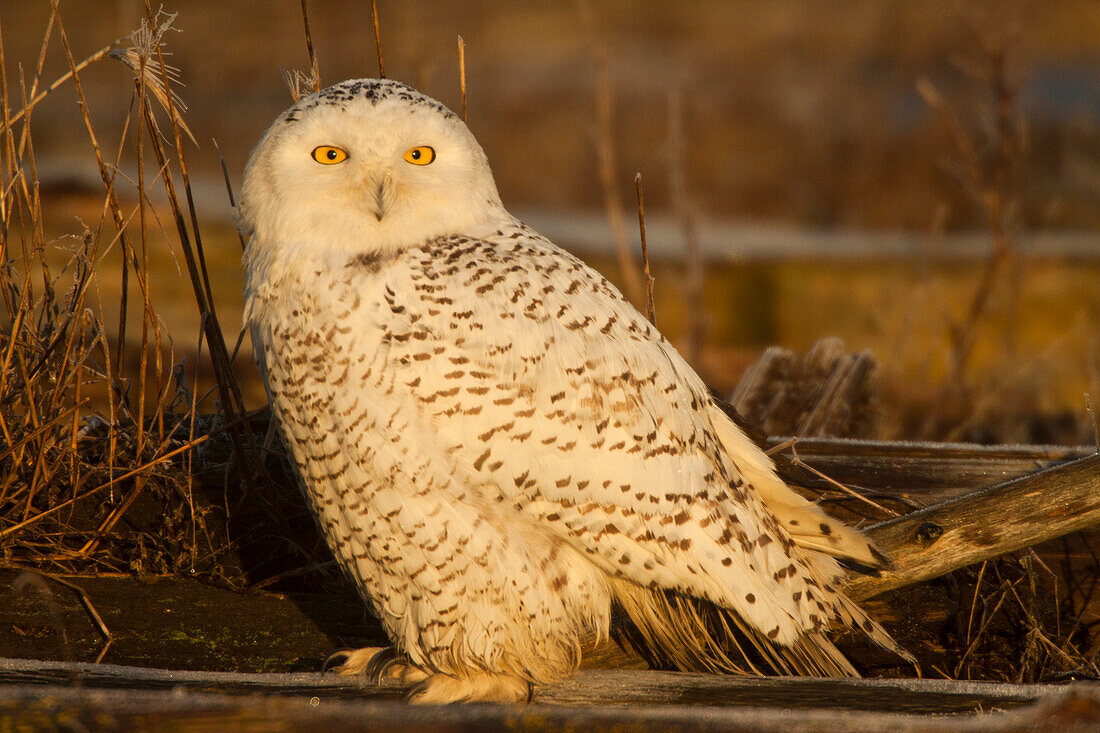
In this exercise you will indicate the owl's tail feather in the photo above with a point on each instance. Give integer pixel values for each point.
(826, 538)
(809, 526)
(696, 636)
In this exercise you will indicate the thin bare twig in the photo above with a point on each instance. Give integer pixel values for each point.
(987, 619)
(35, 579)
(1095, 422)
(462, 73)
(378, 41)
(649, 313)
(86, 601)
(101, 53)
(229, 191)
(974, 601)
(292, 573)
(855, 494)
(781, 446)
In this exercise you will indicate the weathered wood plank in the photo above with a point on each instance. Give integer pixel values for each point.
(985, 524)
(825, 392)
(651, 701)
(591, 687)
(925, 470)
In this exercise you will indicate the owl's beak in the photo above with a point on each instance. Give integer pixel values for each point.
(381, 191)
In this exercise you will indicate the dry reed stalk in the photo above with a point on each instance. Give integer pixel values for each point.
(81, 415)
(462, 73)
(25, 581)
(839, 486)
(231, 399)
(232, 205)
(378, 39)
(314, 69)
(298, 82)
(650, 314)
(1095, 421)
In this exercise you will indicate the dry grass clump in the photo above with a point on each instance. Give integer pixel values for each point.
(1010, 620)
(99, 423)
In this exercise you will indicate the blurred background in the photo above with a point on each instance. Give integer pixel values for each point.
(918, 179)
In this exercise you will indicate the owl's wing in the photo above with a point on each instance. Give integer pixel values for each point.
(552, 391)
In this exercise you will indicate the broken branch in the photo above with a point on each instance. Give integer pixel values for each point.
(985, 524)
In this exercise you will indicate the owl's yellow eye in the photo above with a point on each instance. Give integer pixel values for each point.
(420, 155)
(328, 155)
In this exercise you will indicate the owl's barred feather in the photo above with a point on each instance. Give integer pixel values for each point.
(497, 445)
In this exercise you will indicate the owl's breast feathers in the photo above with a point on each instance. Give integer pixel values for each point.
(554, 399)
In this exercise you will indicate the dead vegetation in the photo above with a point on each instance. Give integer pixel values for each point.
(114, 460)
(108, 450)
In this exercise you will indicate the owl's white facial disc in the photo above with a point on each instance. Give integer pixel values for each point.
(343, 172)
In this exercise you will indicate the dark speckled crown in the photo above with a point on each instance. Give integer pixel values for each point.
(373, 90)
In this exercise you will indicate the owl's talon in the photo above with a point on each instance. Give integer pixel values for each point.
(349, 662)
(379, 664)
(334, 661)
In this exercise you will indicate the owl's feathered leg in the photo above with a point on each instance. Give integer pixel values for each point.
(379, 664)
(442, 689)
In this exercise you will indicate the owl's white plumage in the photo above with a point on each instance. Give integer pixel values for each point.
(497, 445)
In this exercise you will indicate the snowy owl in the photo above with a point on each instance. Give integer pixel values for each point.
(498, 447)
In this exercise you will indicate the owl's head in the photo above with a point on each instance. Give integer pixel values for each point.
(366, 165)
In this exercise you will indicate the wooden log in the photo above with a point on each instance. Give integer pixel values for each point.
(927, 471)
(824, 392)
(589, 688)
(63, 708)
(985, 524)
